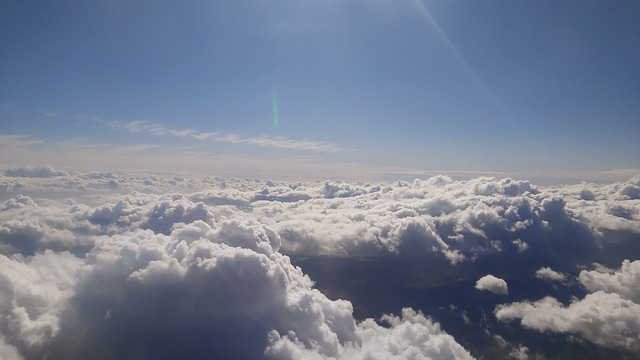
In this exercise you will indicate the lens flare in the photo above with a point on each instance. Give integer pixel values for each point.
(275, 110)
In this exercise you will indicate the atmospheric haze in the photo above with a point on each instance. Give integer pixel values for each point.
(319, 179)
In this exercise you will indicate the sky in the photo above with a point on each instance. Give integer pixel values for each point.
(323, 88)
(319, 179)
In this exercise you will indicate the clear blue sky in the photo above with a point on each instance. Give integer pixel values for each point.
(506, 86)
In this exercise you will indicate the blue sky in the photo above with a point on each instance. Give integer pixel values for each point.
(360, 86)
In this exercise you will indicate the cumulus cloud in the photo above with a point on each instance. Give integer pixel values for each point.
(461, 220)
(39, 171)
(603, 318)
(516, 351)
(220, 290)
(625, 282)
(169, 212)
(410, 336)
(457, 220)
(493, 284)
(33, 293)
(609, 316)
(201, 264)
(547, 273)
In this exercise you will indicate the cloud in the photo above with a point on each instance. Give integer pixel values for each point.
(17, 202)
(167, 213)
(39, 171)
(483, 219)
(278, 142)
(165, 257)
(603, 318)
(516, 351)
(8, 352)
(33, 293)
(200, 291)
(411, 336)
(624, 282)
(609, 316)
(17, 141)
(548, 274)
(492, 284)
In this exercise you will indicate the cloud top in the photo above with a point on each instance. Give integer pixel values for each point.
(547, 273)
(608, 316)
(38, 171)
(196, 289)
(492, 284)
(114, 264)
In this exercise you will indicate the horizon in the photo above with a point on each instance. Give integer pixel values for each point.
(327, 87)
(319, 179)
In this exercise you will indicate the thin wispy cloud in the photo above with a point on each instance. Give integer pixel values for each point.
(275, 142)
(17, 141)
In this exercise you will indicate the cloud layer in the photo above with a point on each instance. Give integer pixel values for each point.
(198, 292)
(116, 265)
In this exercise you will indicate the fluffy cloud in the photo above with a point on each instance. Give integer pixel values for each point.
(200, 291)
(609, 316)
(40, 171)
(169, 212)
(412, 336)
(603, 318)
(200, 265)
(493, 284)
(549, 274)
(437, 217)
(625, 282)
(483, 218)
(33, 294)
(26, 227)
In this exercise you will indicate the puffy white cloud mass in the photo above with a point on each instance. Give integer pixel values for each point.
(549, 274)
(199, 292)
(602, 318)
(458, 221)
(493, 284)
(39, 171)
(412, 336)
(141, 278)
(105, 265)
(625, 282)
(609, 316)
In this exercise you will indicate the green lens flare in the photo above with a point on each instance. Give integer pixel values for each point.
(275, 110)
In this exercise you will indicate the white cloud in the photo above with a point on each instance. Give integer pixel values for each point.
(549, 274)
(33, 293)
(168, 212)
(493, 284)
(411, 336)
(625, 282)
(39, 171)
(278, 142)
(210, 233)
(603, 318)
(225, 281)
(457, 220)
(609, 316)
(520, 245)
